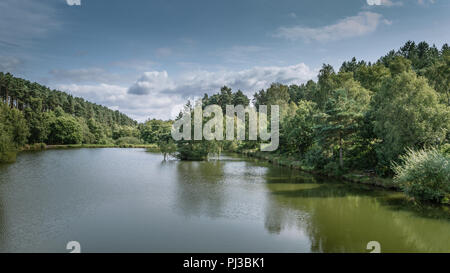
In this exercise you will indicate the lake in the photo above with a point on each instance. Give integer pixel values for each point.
(129, 200)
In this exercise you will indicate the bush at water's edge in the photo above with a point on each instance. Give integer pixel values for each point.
(424, 175)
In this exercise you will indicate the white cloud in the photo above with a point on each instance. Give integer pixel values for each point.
(152, 83)
(99, 93)
(156, 95)
(390, 3)
(115, 97)
(73, 2)
(354, 26)
(386, 3)
(199, 82)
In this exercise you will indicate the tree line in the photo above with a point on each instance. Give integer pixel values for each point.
(32, 113)
(364, 117)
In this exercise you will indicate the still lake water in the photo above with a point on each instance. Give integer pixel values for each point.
(128, 200)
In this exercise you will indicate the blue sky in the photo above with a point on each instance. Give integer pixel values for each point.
(146, 58)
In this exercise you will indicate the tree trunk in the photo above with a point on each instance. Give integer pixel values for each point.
(341, 159)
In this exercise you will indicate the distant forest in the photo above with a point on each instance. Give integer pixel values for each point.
(32, 113)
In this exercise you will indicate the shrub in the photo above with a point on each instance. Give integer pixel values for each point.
(38, 146)
(424, 175)
(167, 148)
(333, 169)
(316, 158)
(106, 141)
(128, 140)
(192, 150)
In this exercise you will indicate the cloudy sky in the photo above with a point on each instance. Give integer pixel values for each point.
(146, 58)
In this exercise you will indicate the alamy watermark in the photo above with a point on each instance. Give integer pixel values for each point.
(235, 120)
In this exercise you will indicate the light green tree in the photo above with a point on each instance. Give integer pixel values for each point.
(65, 130)
(407, 114)
(297, 132)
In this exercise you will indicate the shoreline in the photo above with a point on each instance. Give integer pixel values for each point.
(354, 177)
(42, 146)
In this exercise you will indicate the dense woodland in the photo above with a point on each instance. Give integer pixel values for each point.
(377, 117)
(32, 114)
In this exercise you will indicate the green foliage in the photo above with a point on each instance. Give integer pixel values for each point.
(65, 130)
(14, 124)
(13, 133)
(425, 175)
(95, 128)
(35, 110)
(445, 149)
(192, 150)
(333, 168)
(153, 131)
(276, 94)
(195, 150)
(7, 149)
(240, 99)
(201, 149)
(159, 132)
(303, 92)
(38, 124)
(226, 97)
(327, 82)
(168, 147)
(316, 158)
(439, 77)
(128, 140)
(342, 116)
(297, 132)
(106, 141)
(371, 77)
(125, 131)
(399, 65)
(407, 114)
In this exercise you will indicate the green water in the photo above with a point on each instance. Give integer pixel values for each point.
(128, 200)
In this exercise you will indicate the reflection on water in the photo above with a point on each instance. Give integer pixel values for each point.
(128, 200)
(200, 188)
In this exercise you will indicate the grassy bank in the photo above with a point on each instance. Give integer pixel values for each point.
(42, 146)
(355, 176)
